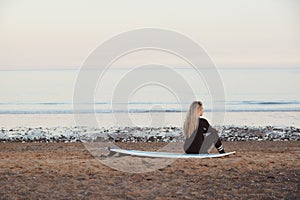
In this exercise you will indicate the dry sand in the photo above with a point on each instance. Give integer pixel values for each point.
(259, 170)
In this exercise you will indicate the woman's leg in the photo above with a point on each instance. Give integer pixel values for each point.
(219, 146)
(212, 138)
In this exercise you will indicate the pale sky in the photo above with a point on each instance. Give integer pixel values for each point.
(62, 33)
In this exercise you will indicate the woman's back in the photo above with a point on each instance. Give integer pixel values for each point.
(200, 136)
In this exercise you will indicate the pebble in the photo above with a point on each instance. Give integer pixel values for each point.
(142, 134)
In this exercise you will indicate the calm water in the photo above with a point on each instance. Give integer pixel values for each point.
(246, 90)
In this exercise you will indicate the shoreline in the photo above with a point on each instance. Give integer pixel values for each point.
(281, 119)
(142, 134)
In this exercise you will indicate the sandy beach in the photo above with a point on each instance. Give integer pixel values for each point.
(259, 170)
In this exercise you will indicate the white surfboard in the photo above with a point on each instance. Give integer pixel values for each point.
(157, 154)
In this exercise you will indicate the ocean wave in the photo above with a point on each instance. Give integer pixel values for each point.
(144, 107)
(272, 102)
(250, 102)
(142, 111)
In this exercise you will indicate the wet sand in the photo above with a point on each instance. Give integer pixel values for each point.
(259, 170)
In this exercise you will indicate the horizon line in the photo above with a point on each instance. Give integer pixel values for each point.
(128, 67)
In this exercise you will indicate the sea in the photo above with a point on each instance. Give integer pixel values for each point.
(260, 96)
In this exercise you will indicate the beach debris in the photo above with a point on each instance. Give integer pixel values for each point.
(141, 134)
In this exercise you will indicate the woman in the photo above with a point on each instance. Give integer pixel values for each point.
(200, 136)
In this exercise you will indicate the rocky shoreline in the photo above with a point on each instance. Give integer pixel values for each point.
(142, 134)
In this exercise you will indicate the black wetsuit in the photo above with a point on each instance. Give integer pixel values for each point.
(199, 142)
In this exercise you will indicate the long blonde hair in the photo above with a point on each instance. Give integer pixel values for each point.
(191, 119)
